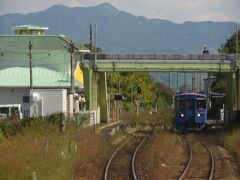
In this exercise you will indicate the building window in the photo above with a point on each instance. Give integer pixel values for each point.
(26, 99)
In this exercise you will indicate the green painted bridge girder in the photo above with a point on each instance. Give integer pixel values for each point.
(161, 63)
(162, 66)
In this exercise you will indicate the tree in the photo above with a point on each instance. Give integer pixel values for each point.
(152, 94)
(230, 45)
(164, 96)
(230, 48)
(220, 84)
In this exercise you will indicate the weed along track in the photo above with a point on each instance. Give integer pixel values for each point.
(200, 164)
(121, 164)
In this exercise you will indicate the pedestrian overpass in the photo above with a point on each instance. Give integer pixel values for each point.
(95, 66)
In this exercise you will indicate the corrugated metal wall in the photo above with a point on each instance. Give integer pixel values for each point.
(50, 101)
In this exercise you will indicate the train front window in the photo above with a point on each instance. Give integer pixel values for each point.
(191, 104)
(201, 103)
(180, 103)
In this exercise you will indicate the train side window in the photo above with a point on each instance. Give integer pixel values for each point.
(201, 104)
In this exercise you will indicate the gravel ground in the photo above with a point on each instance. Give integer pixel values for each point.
(121, 163)
(225, 167)
(200, 164)
(164, 156)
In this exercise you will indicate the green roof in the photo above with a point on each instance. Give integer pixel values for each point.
(19, 43)
(42, 77)
(50, 60)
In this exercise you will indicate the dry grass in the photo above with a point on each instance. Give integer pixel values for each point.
(164, 156)
(90, 159)
(26, 153)
(165, 145)
(77, 154)
(163, 118)
(227, 137)
(232, 143)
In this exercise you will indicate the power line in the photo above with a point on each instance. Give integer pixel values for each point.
(34, 59)
(30, 64)
(34, 51)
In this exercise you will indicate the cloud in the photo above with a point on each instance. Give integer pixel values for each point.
(174, 10)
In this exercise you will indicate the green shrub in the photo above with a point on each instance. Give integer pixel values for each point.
(81, 119)
(2, 138)
(10, 127)
(13, 126)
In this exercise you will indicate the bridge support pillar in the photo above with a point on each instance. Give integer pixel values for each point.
(103, 97)
(231, 100)
(90, 88)
(95, 89)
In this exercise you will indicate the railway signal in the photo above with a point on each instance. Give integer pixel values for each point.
(118, 97)
(139, 90)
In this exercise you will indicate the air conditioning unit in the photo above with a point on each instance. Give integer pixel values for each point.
(35, 97)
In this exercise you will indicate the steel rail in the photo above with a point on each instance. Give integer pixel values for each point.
(211, 172)
(189, 162)
(134, 157)
(112, 156)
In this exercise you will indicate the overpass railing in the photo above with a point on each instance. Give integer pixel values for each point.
(221, 57)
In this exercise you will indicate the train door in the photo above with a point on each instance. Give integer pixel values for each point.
(190, 103)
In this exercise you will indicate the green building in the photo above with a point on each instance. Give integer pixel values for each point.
(51, 57)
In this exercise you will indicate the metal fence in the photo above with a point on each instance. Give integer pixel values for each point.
(223, 57)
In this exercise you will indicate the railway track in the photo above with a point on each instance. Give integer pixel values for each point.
(196, 165)
(121, 165)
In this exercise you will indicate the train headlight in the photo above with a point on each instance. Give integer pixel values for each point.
(198, 115)
(182, 115)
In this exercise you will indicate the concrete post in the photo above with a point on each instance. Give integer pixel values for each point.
(95, 88)
(103, 97)
(231, 102)
(90, 88)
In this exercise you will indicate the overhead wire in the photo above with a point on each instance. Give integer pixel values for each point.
(65, 75)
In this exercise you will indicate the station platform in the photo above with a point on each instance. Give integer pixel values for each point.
(103, 126)
(214, 122)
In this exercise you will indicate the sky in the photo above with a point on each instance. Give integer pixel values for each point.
(177, 11)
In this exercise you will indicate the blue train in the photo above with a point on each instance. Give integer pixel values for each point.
(190, 111)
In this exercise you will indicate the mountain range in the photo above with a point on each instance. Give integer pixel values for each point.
(119, 31)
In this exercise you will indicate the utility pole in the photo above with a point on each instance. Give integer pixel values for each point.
(71, 50)
(185, 81)
(169, 80)
(91, 39)
(30, 64)
(95, 48)
(237, 40)
(117, 102)
(200, 82)
(192, 82)
(177, 81)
